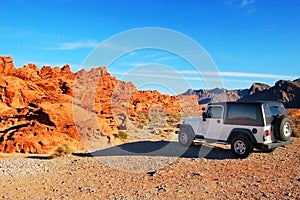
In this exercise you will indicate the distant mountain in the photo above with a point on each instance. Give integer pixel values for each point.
(257, 87)
(287, 92)
(217, 94)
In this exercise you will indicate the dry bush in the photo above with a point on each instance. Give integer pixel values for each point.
(62, 150)
(122, 135)
(173, 119)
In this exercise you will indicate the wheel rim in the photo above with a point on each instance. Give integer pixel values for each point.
(240, 147)
(287, 129)
(183, 138)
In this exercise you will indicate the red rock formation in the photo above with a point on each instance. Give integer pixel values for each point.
(6, 64)
(35, 110)
(43, 108)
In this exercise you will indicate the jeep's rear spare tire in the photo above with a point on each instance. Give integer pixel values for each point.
(241, 146)
(283, 128)
(185, 138)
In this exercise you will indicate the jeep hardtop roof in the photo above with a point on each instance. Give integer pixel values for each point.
(247, 102)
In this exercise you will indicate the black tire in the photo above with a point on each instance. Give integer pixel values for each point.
(283, 128)
(241, 146)
(185, 138)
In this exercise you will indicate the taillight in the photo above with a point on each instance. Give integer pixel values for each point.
(267, 132)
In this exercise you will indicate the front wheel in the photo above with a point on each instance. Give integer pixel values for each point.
(185, 138)
(241, 147)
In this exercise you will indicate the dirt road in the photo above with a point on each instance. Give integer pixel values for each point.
(153, 170)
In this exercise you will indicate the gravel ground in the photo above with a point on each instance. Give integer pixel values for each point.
(131, 172)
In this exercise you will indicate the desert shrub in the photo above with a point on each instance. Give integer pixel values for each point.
(173, 118)
(144, 118)
(61, 151)
(123, 135)
(140, 126)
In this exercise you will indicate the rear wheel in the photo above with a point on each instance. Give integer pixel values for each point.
(241, 147)
(185, 138)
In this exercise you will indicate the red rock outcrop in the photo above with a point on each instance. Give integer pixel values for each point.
(35, 108)
(43, 108)
(6, 64)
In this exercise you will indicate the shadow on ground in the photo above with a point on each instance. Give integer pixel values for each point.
(39, 157)
(162, 148)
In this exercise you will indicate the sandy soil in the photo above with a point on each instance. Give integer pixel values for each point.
(139, 171)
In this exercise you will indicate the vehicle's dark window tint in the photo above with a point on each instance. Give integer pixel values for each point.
(240, 112)
(214, 112)
(269, 115)
(244, 114)
(272, 110)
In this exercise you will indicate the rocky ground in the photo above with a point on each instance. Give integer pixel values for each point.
(153, 170)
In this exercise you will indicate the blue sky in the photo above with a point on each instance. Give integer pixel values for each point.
(248, 40)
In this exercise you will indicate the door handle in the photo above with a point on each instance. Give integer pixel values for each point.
(218, 121)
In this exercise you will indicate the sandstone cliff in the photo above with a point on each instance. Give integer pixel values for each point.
(35, 108)
(43, 108)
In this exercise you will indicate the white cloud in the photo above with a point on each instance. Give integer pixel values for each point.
(195, 78)
(153, 75)
(114, 47)
(254, 75)
(193, 75)
(164, 58)
(75, 45)
(135, 64)
(248, 6)
(160, 56)
(237, 74)
(246, 3)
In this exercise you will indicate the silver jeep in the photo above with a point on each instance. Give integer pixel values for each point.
(244, 125)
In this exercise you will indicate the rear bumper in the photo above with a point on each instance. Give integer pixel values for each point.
(274, 145)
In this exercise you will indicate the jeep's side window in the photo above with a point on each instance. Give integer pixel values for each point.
(244, 115)
(214, 112)
(242, 112)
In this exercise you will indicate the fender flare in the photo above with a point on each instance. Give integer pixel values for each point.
(241, 131)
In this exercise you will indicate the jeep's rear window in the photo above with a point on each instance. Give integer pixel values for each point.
(244, 114)
(272, 110)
